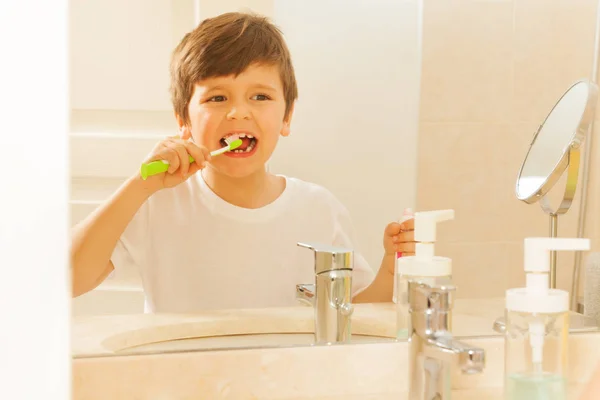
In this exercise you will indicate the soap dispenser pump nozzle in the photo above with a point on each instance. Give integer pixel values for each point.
(425, 262)
(537, 296)
(426, 231)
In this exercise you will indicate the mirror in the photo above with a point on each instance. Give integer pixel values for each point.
(365, 81)
(555, 146)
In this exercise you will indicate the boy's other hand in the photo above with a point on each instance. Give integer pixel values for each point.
(400, 237)
(176, 152)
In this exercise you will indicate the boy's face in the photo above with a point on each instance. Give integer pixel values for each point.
(251, 105)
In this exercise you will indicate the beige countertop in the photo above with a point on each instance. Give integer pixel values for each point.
(351, 372)
(573, 391)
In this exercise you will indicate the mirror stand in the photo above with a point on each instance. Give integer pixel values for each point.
(572, 160)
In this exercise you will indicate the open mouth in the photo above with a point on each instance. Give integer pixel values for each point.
(249, 142)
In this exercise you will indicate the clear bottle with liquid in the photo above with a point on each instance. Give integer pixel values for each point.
(424, 265)
(537, 327)
(531, 376)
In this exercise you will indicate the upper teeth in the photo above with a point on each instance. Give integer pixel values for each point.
(239, 135)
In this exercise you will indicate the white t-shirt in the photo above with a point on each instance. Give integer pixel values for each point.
(194, 251)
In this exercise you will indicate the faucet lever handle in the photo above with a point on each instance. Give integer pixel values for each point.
(329, 258)
(430, 294)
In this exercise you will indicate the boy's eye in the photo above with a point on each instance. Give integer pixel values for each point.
(217, 98)
(261, 97)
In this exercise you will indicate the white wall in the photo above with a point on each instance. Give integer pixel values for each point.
(120, 51)
(211, 8)
(355, 125)
(354, 129)
(34, 294)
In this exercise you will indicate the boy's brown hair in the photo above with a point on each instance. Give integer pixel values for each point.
(227, 45)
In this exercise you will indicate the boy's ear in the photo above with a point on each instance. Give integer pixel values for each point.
(287, 122)
(184, 131)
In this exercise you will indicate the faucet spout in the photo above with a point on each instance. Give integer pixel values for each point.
(306, 294)
(470, 360)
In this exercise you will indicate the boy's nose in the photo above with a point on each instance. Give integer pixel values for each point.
(238, 112)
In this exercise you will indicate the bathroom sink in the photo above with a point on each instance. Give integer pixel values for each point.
(236, 342)
(220, 329)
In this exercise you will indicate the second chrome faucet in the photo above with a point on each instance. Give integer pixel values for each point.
(331, 294)
(433, 351)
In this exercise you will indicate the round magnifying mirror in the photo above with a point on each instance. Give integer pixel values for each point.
(562, 131)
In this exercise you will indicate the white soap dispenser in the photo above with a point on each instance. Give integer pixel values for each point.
(537, 327)
(424, 265)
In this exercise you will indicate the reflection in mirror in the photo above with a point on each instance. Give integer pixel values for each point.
(353, 132)
(216, 257)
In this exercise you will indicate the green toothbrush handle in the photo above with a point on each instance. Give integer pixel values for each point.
(156, 167)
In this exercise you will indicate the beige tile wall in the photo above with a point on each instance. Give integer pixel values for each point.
(592, 222)
(491, 72)
(592, 227)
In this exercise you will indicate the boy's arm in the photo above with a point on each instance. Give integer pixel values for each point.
(95, 238)
(397, 237)
(382, 287)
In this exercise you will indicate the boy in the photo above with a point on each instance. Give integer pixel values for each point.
(222, 232)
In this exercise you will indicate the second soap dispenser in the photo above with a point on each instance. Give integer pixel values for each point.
(424, 265)
(537, 327)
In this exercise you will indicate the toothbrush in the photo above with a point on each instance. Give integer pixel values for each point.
(160, 166)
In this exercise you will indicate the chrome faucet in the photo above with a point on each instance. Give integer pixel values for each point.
(432, 349)
(331, 294)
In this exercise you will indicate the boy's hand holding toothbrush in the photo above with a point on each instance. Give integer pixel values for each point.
(178, 158)
(174, 160)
